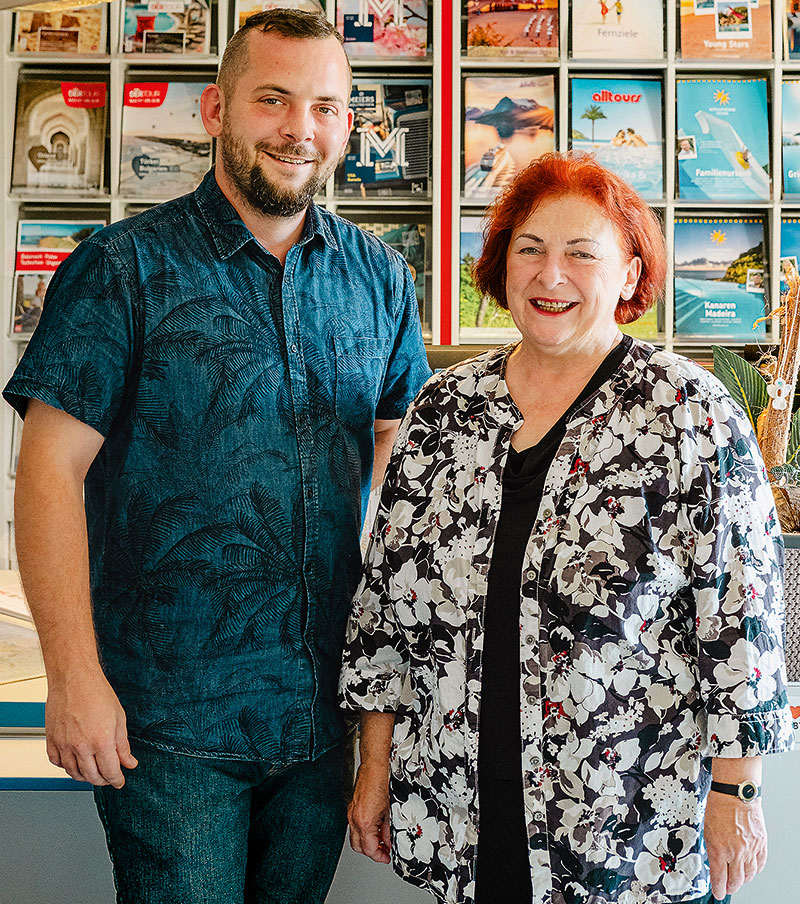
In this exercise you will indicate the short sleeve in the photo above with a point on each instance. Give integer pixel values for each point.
(408, 368)
(79, 356)
(737, 586)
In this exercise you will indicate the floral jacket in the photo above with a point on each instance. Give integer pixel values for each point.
(651, 628)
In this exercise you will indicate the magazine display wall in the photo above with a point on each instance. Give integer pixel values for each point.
(695, 102)
(687, 100)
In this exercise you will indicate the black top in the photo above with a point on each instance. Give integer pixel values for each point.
(499, 748)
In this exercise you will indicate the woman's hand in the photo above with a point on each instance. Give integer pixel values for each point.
(736, 841)
(368, 813)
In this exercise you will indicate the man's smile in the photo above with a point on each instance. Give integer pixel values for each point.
(288, 159)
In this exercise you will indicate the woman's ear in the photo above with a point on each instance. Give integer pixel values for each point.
(632, 278)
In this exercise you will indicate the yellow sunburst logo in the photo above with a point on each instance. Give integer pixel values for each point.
(718, 237)
(721, 97)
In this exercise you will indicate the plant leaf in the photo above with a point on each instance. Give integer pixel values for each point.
(745, 384)
(794, 438)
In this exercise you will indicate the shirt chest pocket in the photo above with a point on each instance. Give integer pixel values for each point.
(359, 367)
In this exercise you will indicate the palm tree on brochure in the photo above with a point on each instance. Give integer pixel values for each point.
(593, 113)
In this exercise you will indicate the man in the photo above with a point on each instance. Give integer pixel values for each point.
(215, 375)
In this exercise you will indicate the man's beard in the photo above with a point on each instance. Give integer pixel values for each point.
(257, 190)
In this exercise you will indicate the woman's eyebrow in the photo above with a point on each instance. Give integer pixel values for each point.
(535, 238)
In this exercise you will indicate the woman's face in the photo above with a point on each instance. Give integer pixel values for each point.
(565, 273)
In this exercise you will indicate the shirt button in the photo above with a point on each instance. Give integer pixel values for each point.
(531, 575)
(532, 700)
(547, 513)
(529, 639)
(294, 348)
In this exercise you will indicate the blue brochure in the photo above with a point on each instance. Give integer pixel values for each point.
(719, 278)
(620, 122)
(723, 139)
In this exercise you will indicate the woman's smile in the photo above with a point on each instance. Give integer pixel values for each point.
(552, 306)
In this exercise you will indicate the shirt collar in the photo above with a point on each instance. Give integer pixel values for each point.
(229, 233)
(499, 407)
(316, 225)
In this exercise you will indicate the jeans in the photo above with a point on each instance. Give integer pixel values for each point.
(190, 830)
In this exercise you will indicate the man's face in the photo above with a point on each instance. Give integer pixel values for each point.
(287, 121)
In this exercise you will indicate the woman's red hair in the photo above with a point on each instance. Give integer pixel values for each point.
(638, 228)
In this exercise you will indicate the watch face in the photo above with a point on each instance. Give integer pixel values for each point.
(748, 791)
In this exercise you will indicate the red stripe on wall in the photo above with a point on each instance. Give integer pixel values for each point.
(446, 157)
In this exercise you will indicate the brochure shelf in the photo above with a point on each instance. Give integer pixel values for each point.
(447, 66)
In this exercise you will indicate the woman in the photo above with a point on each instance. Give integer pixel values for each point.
(571, 610)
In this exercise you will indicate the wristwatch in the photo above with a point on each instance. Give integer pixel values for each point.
(747, 791)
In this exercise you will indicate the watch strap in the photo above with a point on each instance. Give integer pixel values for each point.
(746, 791)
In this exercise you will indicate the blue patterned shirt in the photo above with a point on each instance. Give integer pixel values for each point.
(237, 399)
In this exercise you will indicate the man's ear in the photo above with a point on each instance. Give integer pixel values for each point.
(212, 109)
(350, 119)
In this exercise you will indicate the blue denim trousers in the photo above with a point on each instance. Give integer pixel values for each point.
(190, 830)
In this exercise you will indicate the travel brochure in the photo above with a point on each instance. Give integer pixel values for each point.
(59, 135)
(41, 246)
(508, 121)
(790, 246)
(520, 31)
(725, 29)
(479, 318)
(790, 137)
(77, 31)
(389, 149)
(166, 26)
(617, 29)
(722, 144)
(246, 8)
(791, 30)
(383, 28)
(409, 239)
(165, 149)
(719, 278)
(620, 122)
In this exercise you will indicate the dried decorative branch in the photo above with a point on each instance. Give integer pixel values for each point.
(775, 423)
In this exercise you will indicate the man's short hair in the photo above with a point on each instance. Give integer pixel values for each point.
(289, 23)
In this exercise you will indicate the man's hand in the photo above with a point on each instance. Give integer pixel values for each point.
(368, 814)
(86, 729)
(736, 841)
